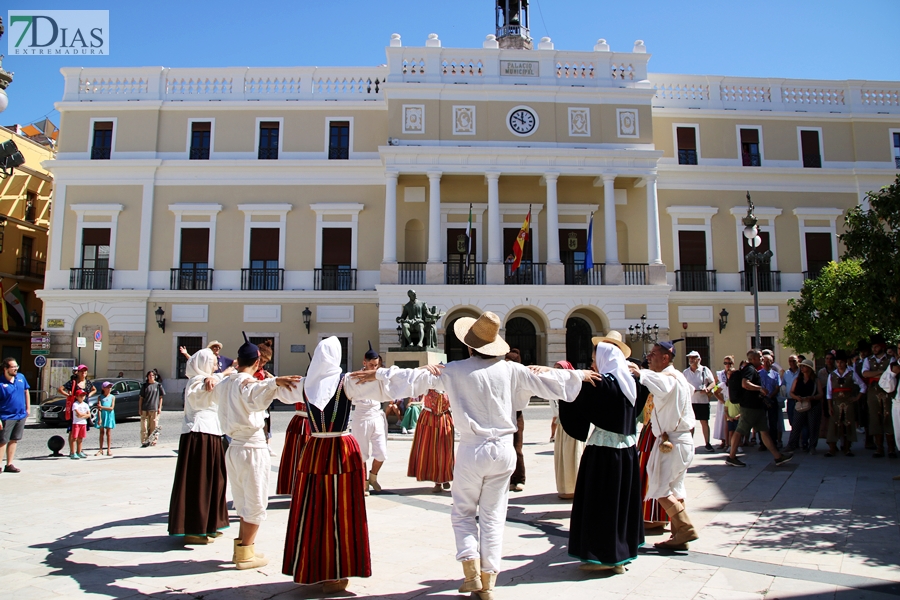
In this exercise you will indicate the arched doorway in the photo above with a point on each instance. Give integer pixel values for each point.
(521, 334)
(578, 343)
(453, 348)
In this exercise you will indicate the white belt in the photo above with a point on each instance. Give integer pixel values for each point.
(300, 413)
(330, 434)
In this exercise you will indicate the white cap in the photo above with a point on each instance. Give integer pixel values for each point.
(693, 354)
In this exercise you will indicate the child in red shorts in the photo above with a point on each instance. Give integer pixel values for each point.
(80, 415)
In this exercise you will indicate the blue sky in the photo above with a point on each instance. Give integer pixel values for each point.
(809, 39)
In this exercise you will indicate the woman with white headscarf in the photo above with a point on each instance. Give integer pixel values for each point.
(606, 529)
(197, 510)
(327, 537)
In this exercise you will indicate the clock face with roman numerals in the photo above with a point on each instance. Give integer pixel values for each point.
(522, 121)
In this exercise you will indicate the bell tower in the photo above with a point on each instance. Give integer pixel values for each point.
(511, 17)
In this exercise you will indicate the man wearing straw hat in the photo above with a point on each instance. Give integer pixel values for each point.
(485, 392)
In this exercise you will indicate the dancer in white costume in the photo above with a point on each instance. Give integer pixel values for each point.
(368, 424)
(485, 391)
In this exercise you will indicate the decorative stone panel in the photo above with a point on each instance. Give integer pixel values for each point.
(463, 120)
(579, 122)
(413, 118)
(627, 123)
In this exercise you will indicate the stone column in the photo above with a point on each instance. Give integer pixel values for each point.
(556, 272)
(611, 242)
(389, 272)
(434, 270)
(495, 274)
(656, 273)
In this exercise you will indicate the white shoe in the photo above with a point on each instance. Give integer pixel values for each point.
(272, 453)
(403, 430)
(741, 449)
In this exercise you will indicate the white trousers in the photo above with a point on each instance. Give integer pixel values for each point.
(481, 486)
(895, 416)
(371, 433)
(248, 473)
(666, 471)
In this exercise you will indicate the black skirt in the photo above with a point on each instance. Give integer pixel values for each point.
(198, 504)
(606, 525)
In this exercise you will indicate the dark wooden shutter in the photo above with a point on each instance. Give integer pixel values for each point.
(336, 246)
(818, 249)
(195, 245)
(201, 126)
(95, 237)
(264, 243)
(749, 136)
(687, 138)
(103, 125)
(692, 250)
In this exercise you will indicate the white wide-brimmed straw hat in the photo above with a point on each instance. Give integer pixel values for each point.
(481, 334)
(614, 338)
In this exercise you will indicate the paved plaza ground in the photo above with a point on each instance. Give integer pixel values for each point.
(817, 528)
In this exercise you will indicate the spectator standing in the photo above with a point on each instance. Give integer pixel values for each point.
(80, 415)
(771, 383)
(844, 391)
(788, 376)
(822, 376)
(702, 382)
(864, 349)
(721, 431)
(106, 417)
(878, 403)
(152, 394)
(806, 394)
(753, 413)
(15, 402)
(79, 381)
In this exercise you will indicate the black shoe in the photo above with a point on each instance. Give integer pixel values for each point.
(709, 448)
(11, 469)
(734, 462)
(762, 448)
(785, 458)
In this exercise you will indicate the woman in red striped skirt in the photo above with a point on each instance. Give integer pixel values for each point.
(654, 515)
(431, 457)
(327, 534)
(295, 439)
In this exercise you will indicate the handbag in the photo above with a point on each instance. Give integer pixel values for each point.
(802, 406)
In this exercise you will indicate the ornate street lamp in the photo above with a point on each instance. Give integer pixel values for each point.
(723, 320)
(754, 259)
(643, 333)
(160, 318)
(306, 316)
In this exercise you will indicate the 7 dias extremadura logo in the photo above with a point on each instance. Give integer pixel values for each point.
(58, 32)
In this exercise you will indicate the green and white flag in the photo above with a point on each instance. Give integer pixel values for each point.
(15, 300)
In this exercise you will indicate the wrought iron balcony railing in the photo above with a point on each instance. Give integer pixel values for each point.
(695, 281)
(334, 278)
(199, 153)
(636, 273)
(411, 273)
(687, 157)
(812, 161)
(338, 153)
(191, 279)
(458, 273)
(576, 275)
(262, 279)
(527, 274)
(769, 281)
(100, 152)
(268, 154)
(751, 159)
(29, 267)
(90, 279)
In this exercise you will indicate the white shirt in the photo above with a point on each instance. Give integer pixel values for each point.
(484, 393)
(724, 387)
(699, 379)
(671, 400)
(366, 409)
(856, 378)
(242, 409)
(81, 407)
(866, 364)
(201, 410)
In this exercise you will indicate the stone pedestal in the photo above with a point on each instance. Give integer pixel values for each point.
(389, 273)
(495, 273)
(556, 274)
(434, 273)
(615, 275)
(411, 359)
(656, 275)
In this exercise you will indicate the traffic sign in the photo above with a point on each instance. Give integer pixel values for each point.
(98, 336)
(40, 352)
(81, 342)
(98, 345)
(40, 361)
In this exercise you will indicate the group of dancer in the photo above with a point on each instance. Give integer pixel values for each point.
(325, 469)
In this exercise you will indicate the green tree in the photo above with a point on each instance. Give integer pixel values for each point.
(827, 314)
(851, 300)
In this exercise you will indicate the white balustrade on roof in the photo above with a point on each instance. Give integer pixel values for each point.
(789, 95)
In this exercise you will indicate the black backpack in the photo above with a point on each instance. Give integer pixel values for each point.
(735, 387)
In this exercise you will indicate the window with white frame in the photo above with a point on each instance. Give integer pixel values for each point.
(750, 145)
(687, 143)
(692, 247)
(895, 146)
(818, 238)
(263, 269)
(336, 264)
(268, 137)
(338, 138)
(769, 279)
(809, 140)
(201, 136)
(573, 241)
(95, 244)
(102, 138)
(194, 254)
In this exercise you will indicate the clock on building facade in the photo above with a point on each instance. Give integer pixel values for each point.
(522, 121)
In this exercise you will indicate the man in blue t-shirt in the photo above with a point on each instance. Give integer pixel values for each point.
(15, 400)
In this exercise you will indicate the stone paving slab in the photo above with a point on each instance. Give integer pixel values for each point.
(821, 529)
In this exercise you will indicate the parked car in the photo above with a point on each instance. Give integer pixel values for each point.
(128, 402)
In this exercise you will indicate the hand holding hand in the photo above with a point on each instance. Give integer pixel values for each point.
(634, 369)
(209, 383)
(287, 381)
(591, 376)
(363, 376)
(538, 369)
(435, 370)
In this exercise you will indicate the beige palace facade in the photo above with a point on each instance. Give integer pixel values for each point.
(240, 198)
